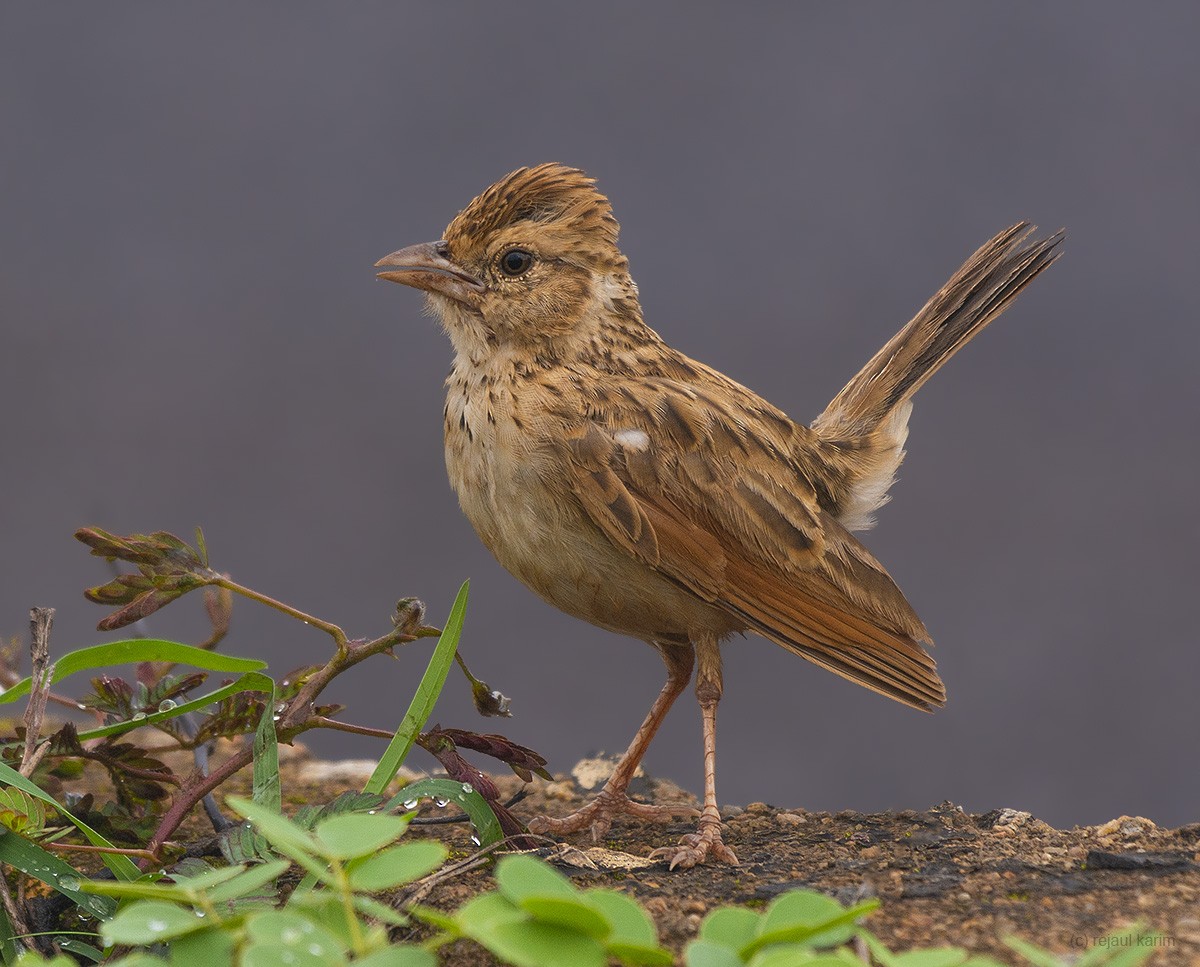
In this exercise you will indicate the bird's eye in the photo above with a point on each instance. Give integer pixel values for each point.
(515, 261)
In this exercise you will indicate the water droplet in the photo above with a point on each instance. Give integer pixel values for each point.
(468, 788)
(81, 706)
(316, 949)
(441, 803)
(370, 812)
(156, 926)
(199, 913)
(409, 804)
(68, 882)
(137, 717)
(475, 839)
(167, 704)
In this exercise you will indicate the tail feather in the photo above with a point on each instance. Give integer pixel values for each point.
(870, 415)
(975, 295)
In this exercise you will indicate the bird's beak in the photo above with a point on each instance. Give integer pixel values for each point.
(427, 266)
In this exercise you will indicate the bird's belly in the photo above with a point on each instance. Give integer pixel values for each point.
(541, 535)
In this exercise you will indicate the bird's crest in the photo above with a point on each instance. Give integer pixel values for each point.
(552, 196)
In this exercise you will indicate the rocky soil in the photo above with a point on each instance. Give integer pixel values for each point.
(945, 876)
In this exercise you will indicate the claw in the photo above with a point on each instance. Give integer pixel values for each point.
(598, 815)
(695, 848)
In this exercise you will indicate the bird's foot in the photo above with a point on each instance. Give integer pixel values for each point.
(698, 847)
(598, 815)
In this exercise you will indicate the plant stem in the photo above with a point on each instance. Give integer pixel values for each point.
(336, 633)
(189, 796)
(322, 722)
(76, 848)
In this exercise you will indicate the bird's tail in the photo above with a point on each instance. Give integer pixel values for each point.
(870, 415)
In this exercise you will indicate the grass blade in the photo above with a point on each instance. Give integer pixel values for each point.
(425, 698)
(32, 860)
(133, 650)
(250, 682)
(266, 759)
(122, 866)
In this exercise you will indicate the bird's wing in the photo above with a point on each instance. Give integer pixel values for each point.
(703, 487)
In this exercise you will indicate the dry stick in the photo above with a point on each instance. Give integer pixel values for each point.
(41, 620)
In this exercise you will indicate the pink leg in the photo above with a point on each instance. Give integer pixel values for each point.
(706, 841)
(612, 800)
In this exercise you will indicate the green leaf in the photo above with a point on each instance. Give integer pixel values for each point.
(22, 813)
(266, 758)
(293, 932)
(1124, 948)
(398, 956)
(133, 960)
(132, 650)
(1037, 956)
(809, 917)
(249, 682)
(272, 955)
(324, 908)
(709, 953)
(73, 945)
(518, 877)
(425, 698)
(214, 945)
(150, 921)
(934, 957)
(123, 867)
(144, 889)
(630, 923)
(487, 910)
(370, 907)
(248, 882)
(206, 879)
(473, 804)
(398, 865)
(732, 927)
(358, 834)
(34, 861)
(571, 913)
(639, 955)
(280, 831)
(796, 955)
(527, 943)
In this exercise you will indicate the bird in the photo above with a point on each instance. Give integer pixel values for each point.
(649, 494)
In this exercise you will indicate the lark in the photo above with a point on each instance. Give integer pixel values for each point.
(649, 494)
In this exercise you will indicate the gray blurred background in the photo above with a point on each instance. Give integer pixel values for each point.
(190, 333)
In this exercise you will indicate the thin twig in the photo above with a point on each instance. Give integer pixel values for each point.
(421, 888)
(519, 795)
(41, 620)
(336, 633)
(324, 722)
(20, 928)
(189, 796)
(79, 848)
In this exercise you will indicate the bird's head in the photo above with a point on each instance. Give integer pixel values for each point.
(531, 262)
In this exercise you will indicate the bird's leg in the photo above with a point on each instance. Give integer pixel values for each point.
(612, 800)
(706, 841)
